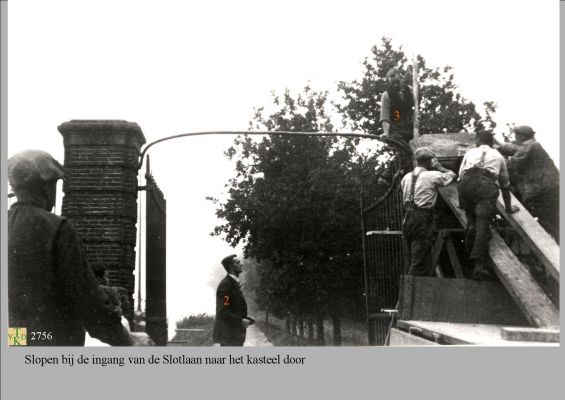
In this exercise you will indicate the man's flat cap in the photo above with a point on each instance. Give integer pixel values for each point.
(524, 130)
(32, 167)
(484, 136)
(423, 153)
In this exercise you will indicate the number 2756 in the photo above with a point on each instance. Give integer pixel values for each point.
(39, 335)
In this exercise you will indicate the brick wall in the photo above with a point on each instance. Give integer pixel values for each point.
(100, 194)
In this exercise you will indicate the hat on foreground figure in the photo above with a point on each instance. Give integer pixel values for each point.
(30, 168)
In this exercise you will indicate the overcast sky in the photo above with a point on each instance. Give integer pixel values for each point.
(181, 66)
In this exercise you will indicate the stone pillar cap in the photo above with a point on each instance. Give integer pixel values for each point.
(101, 126)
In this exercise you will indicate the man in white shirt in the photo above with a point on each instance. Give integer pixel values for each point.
(482, 172)
(419, 193)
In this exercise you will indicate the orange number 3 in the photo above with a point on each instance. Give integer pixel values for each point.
(396, 115)
(226, 301)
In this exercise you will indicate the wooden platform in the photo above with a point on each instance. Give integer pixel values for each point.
(445, 145)
(462, 334)
(530, 334)
(449, 148)
(457, 300)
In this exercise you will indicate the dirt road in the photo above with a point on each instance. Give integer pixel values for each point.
(256, 338)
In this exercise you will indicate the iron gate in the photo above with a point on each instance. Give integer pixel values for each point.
(155, 261)
(383, 251)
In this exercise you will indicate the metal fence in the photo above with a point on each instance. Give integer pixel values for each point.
(383, 252)
(156, 261)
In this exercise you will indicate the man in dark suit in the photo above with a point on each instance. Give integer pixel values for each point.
(231, 308)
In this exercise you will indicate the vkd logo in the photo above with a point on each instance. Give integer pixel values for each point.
(17, 336)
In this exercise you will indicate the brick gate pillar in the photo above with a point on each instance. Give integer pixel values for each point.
(100, 194)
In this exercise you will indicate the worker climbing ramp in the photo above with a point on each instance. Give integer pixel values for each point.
(506, 295)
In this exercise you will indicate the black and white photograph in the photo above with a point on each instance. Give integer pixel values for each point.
(283, 174)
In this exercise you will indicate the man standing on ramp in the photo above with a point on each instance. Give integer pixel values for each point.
(535, 178)
(483, 171)
(419, 193)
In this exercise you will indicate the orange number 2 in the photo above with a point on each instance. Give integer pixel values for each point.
(226, 301)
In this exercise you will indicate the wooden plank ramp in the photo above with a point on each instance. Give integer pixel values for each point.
(530, 298)
(537, 239)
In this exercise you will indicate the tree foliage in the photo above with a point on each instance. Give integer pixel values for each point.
(442, 108)
(294, 201)
(294, 205)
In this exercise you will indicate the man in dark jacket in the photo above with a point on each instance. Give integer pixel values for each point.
(231, 308)
(51, 287)
(397, 108)
(534, 178)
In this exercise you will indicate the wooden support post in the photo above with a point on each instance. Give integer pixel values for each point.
(437, 248)
(453, 258)
(416, 96)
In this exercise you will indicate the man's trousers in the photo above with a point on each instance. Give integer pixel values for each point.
(417, 231)
(478, 194)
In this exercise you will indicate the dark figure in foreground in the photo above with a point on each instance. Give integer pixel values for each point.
(231, 309)
(534, 178)
(483, 171)
(419, 193)
(397, 108)
(51, 287)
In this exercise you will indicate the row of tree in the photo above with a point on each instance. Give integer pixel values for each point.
(294, 201)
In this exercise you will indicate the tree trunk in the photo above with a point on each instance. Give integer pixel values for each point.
(293, 324)
(336, 321)
(310, 329)
(300, 326)
(287, 323)
(267, 316)
(320, 329)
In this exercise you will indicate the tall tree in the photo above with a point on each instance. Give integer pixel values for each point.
(441, 105)
(294, 205)
(294, 201)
